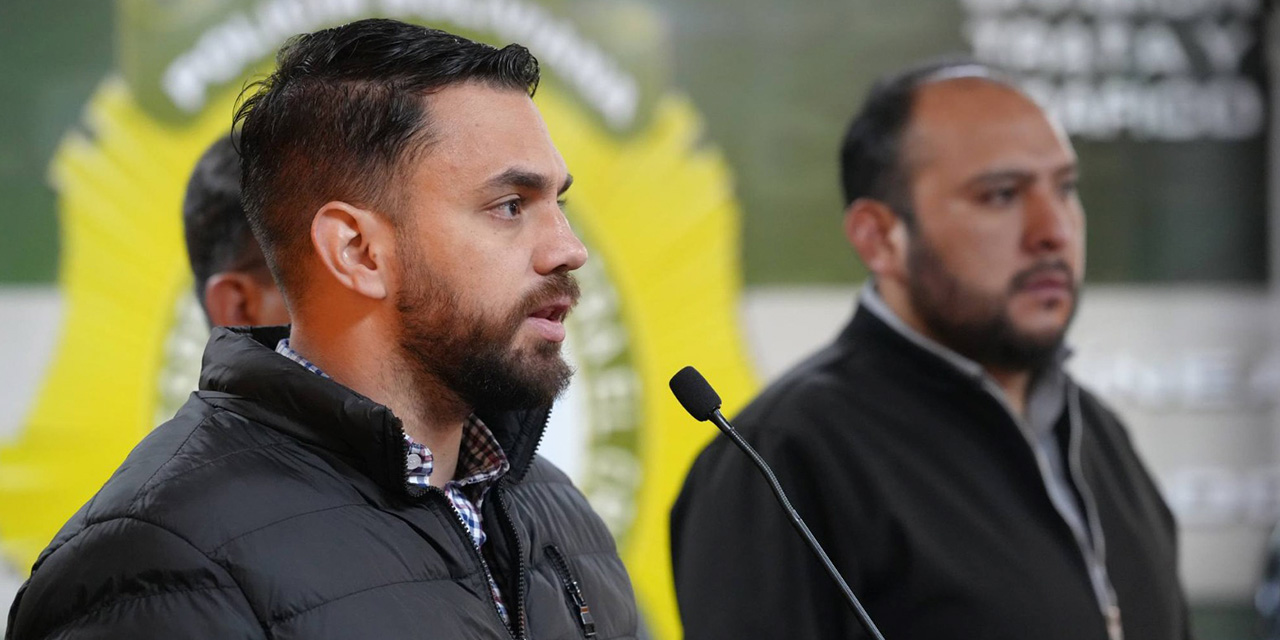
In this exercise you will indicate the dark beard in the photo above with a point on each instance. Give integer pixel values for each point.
(975, 326)
(472, 355)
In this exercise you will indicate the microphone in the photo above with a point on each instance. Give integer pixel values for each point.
(703, 403)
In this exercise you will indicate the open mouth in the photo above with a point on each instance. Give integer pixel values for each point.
(554, 311)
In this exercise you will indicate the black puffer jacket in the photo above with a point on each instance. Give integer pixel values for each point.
(274, 505)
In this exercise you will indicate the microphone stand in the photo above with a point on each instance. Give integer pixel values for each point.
(863, 618)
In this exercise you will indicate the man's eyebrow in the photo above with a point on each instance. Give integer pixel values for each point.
(1005, 175)
(525, 179)
(518, 178)
(1070, 169)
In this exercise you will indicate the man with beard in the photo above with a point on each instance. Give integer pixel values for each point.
(960, 480)
(369, 472)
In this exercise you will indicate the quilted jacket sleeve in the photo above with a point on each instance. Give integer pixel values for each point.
(127, 578)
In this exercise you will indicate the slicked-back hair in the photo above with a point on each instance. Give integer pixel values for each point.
(345, 112)
(213, 221)
(871, 158)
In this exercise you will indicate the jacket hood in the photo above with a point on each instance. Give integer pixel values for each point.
(242, 371)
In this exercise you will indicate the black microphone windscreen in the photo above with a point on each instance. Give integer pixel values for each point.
(694, 393)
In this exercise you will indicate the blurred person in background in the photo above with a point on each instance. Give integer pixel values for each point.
(232, 281)
(963, 483)
(370, 471)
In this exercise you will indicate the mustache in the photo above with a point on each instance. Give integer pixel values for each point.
(1041, 268)
(558, 285)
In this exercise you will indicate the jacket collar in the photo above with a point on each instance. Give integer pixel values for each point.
(875, 326)
(894, 354)
(267, 387)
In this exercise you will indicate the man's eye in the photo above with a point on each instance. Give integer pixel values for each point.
(510, 208)
(1069, 188)
(999, 197)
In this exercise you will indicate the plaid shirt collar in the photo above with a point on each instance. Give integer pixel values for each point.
(481, 460)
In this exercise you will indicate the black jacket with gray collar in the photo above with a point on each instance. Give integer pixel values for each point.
(929, 499)
(274, 505)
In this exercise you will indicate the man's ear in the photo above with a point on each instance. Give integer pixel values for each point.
(355, 246)
(232, 298)
(878, 235)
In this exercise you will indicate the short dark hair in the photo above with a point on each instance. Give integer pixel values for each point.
(871, 157)
(342, 114)
(217, 232)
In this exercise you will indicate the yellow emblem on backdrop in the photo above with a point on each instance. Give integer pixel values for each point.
(655, 206)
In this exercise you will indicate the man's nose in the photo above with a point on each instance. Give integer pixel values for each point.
(560, 248)
(1050, 221)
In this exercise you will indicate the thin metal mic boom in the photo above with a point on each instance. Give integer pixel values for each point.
(863, 618)
(703, 403)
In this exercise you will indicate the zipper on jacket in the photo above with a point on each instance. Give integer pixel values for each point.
(419, 491)
(1094, 552)
(571, 588)
(489, 581)
(1089, 506)
(536, 443)
(517, 612)
(522, 568)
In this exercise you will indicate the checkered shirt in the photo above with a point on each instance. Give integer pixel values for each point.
(480, 463)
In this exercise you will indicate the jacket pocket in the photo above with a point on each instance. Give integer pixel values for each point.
(578, 608)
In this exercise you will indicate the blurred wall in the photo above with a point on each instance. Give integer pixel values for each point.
(745, 101)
